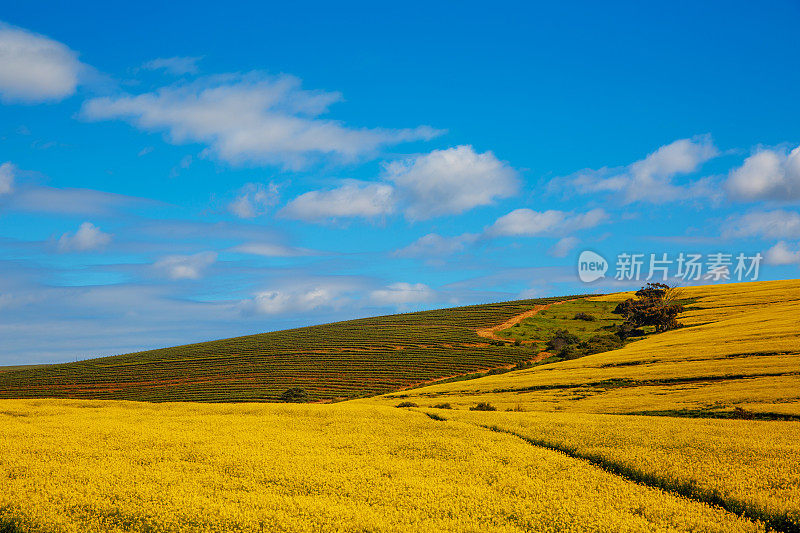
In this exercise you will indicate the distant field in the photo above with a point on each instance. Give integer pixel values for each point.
(741, 351)
(12, 368)
(333, 361)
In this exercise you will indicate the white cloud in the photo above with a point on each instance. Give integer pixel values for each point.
(781, 254)
(451, 181)
(441, 182)
(88, 237)
(402, 293)
(528, 223)
(250, 119)
(353, 199)
(518, 223)
(177, 66)
(274, 302)
(564, 246)
(34, 68)
(777, 224)
(7, 173)
(767, 175)
(254, 199)
(185, 266)
(434, 245)
(73, 201)
(270, 250)
(649, 179)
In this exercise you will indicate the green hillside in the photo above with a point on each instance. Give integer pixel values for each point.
(334, 361)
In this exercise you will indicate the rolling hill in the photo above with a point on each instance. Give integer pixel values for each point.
(694, 429)
(334, 361)
(740, 349)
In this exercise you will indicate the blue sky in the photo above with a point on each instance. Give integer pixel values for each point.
(177, 173)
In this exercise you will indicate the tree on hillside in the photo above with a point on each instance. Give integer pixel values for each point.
(295, 395)
(656, 304)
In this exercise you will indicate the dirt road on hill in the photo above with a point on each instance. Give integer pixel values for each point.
(491, 333)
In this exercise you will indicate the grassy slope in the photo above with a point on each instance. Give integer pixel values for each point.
(341, 360)
(540, 327)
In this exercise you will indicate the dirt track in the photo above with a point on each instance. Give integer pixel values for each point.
(490, 333)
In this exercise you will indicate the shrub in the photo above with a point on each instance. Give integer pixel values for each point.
(569, 352)
(406, 404)
(434, 416)
(483, 406)
(584, 316)
(442, 406)
(625, 330)
(522, 365)
(561, 338)
(600, 343)
(295, 395)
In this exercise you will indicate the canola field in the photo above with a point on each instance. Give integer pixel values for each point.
(749, 467)
(88, 466)
(741, 349)
(696, 429)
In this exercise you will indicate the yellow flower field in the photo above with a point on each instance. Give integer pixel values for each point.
(751, 465)
(578, 454)
(742, 349)
(83, 466)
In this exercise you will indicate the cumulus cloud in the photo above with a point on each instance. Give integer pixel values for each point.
(649, 179)
(776, 224)
(353, 199)
(176, 66)
(528, 223)
(434, 245)
(273, 302)
(34, 68)
(402, 294)
(767, 175)
(564, 246)
(781, 254)
(254, 199)
(266, 249)
(7, 174)
(250, 119)
(439, 183)
(88, 237)
(185, 266)
(450, 181)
